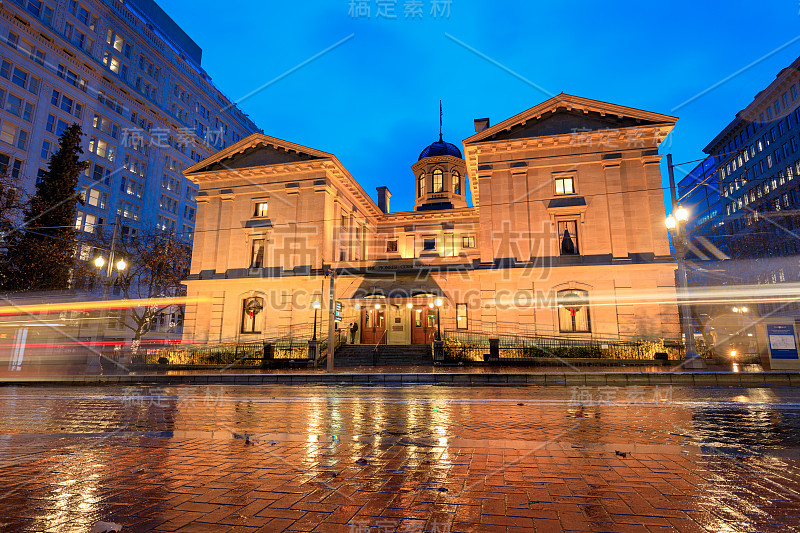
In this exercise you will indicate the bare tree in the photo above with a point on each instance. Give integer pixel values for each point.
(156, 262)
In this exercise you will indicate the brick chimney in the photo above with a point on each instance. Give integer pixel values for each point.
(481, 124)
(383, 198)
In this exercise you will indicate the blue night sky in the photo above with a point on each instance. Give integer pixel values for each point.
(373, 101)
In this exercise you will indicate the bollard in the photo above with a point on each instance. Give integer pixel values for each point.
(494, 350)
(438, 351)
(267, 355)
(313, 347)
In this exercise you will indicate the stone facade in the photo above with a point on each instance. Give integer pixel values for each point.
(564, 235)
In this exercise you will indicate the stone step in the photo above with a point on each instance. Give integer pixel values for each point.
(383, 355)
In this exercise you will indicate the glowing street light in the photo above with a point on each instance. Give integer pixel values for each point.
(121, 265)
(438, 303)
(316, 306)
(676, 224)
(99, 262)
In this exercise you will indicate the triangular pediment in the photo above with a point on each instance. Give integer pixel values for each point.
(257, 150)
(565, 114)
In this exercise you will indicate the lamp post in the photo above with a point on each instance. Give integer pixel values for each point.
(316, 306)
(438, 303)
(676, 224)
(100, 262)
(740, 311)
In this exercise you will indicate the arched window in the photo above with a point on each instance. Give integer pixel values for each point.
(251, 314)
(438, 181)
(456, 182)
(421, 185)
(573, 311)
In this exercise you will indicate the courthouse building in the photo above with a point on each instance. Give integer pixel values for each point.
(550, 222)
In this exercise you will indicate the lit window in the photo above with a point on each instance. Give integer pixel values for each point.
(468, 242)
(461, 316)
(456, 183)
(438, 184)
(260, 209)
(568, 237)
(565, 186)
(251, 311)
(421, 185)
(8, 133)
(257, 260)
(573, 312)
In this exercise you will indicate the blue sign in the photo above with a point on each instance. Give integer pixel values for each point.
(782, 344)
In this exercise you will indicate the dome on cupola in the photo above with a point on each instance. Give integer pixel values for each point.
(440, 148)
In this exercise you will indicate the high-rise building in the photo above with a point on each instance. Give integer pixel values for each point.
(698, 192)
(133, 80)
(758, 161)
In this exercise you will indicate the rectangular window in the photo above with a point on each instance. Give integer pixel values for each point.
(565, 186)
(8, 133)
(429, 243)
(20, 78)
(468, 241)
(391, 246)
(257, 255)
(461, 316)
(568, 237)
(260, 209)
(449, 245)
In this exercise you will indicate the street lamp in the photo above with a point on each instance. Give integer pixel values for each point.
(101, 263)
(438, 303)
(676, 224)
(316, 306)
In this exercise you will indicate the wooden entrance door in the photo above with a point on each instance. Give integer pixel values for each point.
(373, 326)
(423, 325)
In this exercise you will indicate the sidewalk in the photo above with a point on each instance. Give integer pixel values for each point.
(655, 375)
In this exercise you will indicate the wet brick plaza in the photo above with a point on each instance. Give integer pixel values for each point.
(409, 459)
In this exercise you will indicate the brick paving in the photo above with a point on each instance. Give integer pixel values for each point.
(410, 459)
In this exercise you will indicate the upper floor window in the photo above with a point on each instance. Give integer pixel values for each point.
(421, 185)
(429, 243)
(260, 209)
(438, 181)
(456, 182)
(391, 246)
(565, 185)
(116, 41)
(257, 255)
(568, 237)
(468, 241)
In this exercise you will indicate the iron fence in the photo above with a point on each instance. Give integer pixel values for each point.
(474, 346)
(287, 343)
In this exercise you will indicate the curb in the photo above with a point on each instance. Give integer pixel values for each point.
(768, 378)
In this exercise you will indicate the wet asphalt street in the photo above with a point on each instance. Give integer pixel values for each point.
(406, 459)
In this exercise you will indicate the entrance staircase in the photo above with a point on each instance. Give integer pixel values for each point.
(383, 355)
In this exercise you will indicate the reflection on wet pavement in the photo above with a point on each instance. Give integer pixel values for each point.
(414, 458)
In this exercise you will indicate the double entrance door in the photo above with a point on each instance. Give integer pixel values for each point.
(397, 324)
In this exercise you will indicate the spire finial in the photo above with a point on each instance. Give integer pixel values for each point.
(440, 121)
